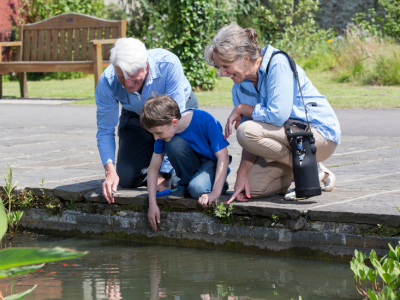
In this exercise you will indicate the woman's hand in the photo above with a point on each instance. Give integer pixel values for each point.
(154, 216)
(235, 116)
(242, 188)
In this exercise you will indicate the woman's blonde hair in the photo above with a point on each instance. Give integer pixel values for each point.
(231, 43)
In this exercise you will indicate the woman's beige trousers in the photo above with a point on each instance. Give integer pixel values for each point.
(272, 171)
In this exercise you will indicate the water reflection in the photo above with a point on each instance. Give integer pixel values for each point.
(122, 270)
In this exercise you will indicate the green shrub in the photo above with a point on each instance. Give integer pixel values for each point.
(284, 19)
(381, 24)
(36, 10)
(188, 34)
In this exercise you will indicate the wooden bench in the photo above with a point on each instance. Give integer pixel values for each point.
(69, 42)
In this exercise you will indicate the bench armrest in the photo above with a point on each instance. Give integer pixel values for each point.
(103, 42)
(10, 44)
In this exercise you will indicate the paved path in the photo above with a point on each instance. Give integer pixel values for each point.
(57, 143)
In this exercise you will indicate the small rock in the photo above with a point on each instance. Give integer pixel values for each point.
(298, 225)
(122, 213)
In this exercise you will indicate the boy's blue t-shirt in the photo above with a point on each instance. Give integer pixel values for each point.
(204, 135)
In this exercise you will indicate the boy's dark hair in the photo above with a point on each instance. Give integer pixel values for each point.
(159, 110)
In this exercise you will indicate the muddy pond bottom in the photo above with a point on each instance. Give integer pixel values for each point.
(128, 270)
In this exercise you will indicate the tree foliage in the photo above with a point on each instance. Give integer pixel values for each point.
(384, 23)
(37, 10)
(189, 33)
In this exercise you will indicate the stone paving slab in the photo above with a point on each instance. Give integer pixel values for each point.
(58, 144)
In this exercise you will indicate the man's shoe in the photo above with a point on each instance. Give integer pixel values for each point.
(329, 182)
(291, 195)
(178, 194)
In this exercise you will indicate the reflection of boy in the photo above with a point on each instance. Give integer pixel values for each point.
(202, 163)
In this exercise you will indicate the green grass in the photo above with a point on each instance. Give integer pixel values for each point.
(72, 88)
(340, 95)
(346, 95)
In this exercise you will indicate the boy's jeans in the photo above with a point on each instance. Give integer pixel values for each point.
(196, 177)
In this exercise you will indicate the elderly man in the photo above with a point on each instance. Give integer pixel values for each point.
(133, 76)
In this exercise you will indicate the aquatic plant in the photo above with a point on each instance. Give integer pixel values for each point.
(382, 281)
(18, 261)
(13, 219)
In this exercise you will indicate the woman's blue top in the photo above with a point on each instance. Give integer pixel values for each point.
(278, 97)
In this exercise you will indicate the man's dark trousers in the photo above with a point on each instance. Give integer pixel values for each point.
(136, 147)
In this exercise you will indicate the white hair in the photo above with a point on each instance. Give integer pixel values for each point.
(129, 55)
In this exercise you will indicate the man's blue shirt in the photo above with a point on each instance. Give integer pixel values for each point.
(166, 77)
(204, 135)
(278, 97)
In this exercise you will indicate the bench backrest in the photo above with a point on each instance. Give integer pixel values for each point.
(66, 37)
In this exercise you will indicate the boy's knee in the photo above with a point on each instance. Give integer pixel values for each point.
(197, 188)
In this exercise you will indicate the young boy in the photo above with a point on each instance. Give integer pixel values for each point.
(203, 161)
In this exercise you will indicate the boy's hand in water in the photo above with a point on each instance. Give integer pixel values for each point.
(154, 216)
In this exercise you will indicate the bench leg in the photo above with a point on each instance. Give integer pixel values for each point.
(23, 84)
(97, 66)
(1, 86)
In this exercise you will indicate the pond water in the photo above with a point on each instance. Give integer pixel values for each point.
(130, 270)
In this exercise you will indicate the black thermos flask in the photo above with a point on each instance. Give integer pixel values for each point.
(305, 169)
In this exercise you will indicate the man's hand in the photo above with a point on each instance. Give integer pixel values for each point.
(207, 199)
(242, 184)
(235, 116)
(154, 216)
(111, 183)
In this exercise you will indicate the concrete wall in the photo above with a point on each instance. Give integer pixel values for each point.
(297, 238)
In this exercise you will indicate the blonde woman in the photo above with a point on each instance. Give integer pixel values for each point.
(263, 103)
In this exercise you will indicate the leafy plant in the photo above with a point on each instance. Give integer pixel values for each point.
(17, 261)
(381, 282)
(26, 200)
(9, 187)
(220, 210)
(42, 189)
(13, 220)
(274, 218)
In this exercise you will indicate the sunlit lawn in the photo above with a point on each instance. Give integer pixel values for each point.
(340, 95)
(74, 88)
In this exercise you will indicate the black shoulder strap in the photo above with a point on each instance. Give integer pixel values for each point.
(291, 61)
(296, 75)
